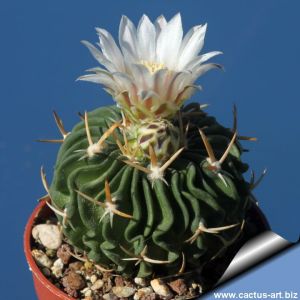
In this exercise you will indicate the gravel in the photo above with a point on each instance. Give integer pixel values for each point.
(83, 280)
(49, 235)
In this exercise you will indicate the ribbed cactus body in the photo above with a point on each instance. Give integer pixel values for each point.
(164, 216)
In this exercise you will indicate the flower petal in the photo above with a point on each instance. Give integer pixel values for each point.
(202, 69)
(186, 93)
(179, 82)
(123, 80)
(142, 76)
(100, 79)
(98, 55)
(110, 50)
(160, 79)
(98, 70)
(146, 39)
(160, 23)
(128, 39)
(198, 60)
(144, 95)
(192, 45)
(169, 41)
(155, 70)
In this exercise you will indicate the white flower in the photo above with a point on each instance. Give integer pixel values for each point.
(154, 70)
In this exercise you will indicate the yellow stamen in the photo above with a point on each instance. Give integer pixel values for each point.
(152, 66)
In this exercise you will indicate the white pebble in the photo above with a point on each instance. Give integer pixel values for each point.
(88, 293)
(84, 290)
(143, 292)
(93, 278)
(98, 284)
(109, 297)
(57, 268)
(197, 285)
(41, 258)
(123, 291)
(194, 285)
(160, 288)
(48, 235)
(140, 281)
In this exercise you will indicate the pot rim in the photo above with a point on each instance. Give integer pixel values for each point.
(31, 262)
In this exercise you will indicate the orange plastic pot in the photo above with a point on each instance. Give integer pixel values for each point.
(45, 290)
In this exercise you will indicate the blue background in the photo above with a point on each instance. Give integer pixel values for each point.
(41, 57)
(277, 275)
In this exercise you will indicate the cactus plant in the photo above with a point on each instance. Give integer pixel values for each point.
(150, 185)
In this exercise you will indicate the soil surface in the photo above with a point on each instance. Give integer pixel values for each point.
(78, 277)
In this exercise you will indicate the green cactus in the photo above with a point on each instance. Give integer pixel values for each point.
(194, 213)
(150, 186)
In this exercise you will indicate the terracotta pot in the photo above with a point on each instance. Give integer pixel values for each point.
(45, 290)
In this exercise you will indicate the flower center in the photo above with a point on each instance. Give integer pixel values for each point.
(152, 66)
